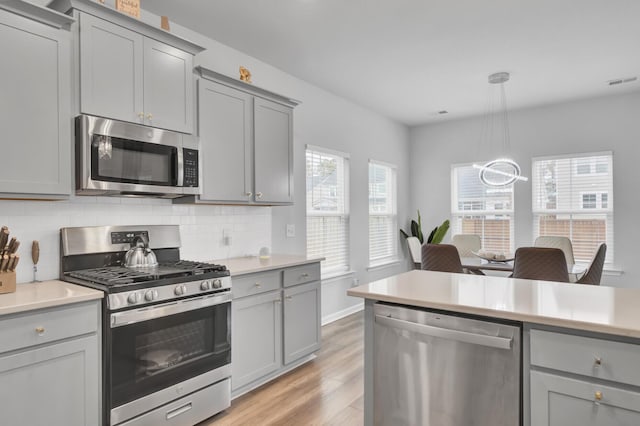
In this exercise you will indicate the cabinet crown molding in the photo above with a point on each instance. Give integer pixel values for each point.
(245, 87)
(37, 13)
(129, 22)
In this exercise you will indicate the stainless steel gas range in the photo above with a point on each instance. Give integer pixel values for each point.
(166, 324)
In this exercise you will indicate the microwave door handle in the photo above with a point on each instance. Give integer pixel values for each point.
(180, 164)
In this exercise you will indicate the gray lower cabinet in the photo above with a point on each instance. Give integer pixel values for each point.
(127, 76)
(35, 108)
(252, 129)
(562, 401)
(256, 337)
(274, 328)
(302, 324)
(583, 380)
(50, 367)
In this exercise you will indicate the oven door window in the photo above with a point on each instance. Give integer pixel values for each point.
(152, 355)
(126, 161)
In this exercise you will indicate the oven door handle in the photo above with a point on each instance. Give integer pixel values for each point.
(119, 319)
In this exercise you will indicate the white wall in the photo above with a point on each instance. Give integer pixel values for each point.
(599, 124)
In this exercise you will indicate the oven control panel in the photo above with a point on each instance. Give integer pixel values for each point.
(127, 237)
(168, 292)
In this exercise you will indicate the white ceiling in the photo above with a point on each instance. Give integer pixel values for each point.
(408, 59)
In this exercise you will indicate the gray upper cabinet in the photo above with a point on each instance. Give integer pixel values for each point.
(225, 133)
(273, 127)
(127, 76)
(247, 134)
(35, 107)
(110, 70)
(130, 70)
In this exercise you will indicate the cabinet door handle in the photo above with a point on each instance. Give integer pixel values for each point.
(258, 285)
(149, 116)
(248, 194)
(278, 300)
(288, 297)
(141, 115)
(259, 194)
(40, 330)
(598, 361)
(305, 275)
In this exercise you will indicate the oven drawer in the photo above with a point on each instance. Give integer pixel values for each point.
(47, 325)
(189, 410)
(587, 356)
(301, 274)
(247, 285)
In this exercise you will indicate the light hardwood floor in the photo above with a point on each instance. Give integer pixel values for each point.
(325, 391)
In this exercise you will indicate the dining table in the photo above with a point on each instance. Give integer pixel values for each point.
(476, 265)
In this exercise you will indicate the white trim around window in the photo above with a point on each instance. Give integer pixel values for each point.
(383, 213)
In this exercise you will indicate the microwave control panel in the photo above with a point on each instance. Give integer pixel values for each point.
(190, 158)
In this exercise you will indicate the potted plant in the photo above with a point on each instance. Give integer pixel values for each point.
(435, 236)
(416, 239)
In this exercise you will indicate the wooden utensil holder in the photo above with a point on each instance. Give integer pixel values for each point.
(7, 282)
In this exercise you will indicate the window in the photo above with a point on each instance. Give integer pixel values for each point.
(481, 210)
(328, 208)
(572, 197)
(383, 220)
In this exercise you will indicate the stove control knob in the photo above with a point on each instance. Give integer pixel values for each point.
(217, 283)
(180, 290)
(133, 298)
(151, 295)
(205, 285)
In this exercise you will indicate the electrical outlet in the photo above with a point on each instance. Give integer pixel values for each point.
(226, 237)
(355, 282)
(291, 230)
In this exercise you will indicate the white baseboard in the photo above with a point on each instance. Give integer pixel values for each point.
(343, 313)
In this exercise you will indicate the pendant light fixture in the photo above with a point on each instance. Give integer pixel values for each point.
(502, 171)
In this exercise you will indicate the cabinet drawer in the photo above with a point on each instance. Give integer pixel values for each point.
(301, 274)
(591, 357)
(246, 285)
(47, 325)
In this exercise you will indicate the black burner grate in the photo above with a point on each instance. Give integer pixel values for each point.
(120, 275)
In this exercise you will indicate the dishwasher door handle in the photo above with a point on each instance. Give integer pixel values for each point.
(445, 333)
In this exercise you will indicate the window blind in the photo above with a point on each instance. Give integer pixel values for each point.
(573, 197)
(327, 175)
(481, 210)
(383, 218)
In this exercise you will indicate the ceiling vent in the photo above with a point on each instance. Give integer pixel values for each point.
(444, 111)
(621, 81)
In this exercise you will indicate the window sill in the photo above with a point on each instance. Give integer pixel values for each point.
(382, 265)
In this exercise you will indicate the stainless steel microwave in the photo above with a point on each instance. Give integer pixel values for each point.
(126, 159)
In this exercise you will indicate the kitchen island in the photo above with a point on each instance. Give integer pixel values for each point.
(580, 344)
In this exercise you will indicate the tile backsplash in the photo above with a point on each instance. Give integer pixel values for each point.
(201, 227)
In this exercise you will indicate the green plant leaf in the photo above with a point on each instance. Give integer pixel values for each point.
(416, 231)
(440, 233)
(430, 239)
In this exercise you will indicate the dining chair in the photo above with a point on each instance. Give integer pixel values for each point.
(594, 273)
(562, 243)
(441, 257)
(466, 244)
(415, 250)
(540, 263)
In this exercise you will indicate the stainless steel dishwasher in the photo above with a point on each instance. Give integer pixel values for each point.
(432, 369)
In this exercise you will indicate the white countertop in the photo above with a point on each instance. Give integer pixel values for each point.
(29, 296)
(248, 265)
(584, 307)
